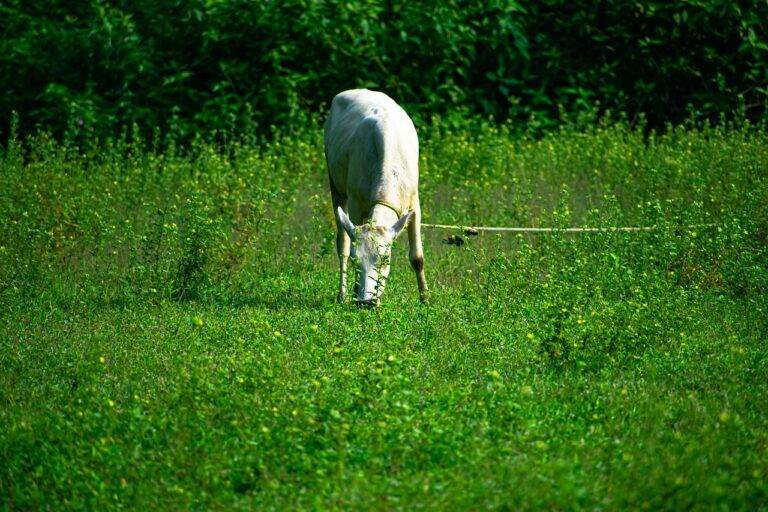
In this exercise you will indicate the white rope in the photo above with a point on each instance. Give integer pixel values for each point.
(477, 229)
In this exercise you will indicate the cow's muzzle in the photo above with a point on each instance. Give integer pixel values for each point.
(367, 303)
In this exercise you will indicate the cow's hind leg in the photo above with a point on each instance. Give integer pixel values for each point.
(416, 252)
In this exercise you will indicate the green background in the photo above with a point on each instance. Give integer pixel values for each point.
(192, 66)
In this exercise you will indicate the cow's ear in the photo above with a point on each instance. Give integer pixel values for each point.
(398, 226)
(345, 222)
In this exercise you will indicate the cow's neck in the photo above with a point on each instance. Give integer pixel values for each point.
(383, 215)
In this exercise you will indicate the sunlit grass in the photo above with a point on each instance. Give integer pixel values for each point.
(170, 339)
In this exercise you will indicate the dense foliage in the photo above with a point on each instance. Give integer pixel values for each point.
(169, 338)
(190, 66)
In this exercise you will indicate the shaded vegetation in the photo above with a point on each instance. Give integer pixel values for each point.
(184, 67)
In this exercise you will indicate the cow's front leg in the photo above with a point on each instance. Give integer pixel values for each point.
(342, 239)
(416, 253)
(342, 247)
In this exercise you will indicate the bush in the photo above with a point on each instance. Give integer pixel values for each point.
(189, 66)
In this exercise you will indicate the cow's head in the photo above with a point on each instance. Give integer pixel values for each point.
(372, 249)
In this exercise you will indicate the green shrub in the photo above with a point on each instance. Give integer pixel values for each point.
(187, 67)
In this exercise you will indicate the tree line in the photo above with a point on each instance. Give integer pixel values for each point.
(185, 67)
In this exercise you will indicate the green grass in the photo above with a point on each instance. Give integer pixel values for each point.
(169, 337)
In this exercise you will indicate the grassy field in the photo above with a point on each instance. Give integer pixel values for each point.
(169, 337)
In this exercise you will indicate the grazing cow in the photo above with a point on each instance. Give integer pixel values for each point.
(372, 153)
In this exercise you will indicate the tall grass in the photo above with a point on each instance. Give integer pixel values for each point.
(169, 334)
(123, 222)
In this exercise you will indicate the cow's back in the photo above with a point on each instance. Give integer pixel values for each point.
(371, 148)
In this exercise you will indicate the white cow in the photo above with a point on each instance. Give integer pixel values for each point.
(372, 153)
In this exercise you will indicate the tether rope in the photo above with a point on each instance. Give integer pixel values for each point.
(473, 230)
